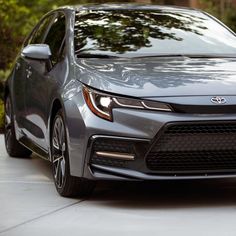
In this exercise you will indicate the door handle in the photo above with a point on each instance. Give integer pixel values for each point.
(17, 66)
(28, 73)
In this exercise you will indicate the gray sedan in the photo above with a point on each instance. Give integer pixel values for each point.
(125, 92)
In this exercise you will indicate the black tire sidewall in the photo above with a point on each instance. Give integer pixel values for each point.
(12, 139)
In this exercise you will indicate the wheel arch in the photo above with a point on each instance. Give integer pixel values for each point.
(57, 105)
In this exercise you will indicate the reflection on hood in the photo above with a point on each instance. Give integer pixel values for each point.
(160, 76)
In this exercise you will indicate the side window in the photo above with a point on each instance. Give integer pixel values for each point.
(38, 33)
(38, 36)
(56, 37)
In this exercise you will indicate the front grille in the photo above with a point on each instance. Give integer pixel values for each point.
(201, 148)
(204, 109)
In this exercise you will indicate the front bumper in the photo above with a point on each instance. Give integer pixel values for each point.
(142, 130)
(181, 150)
(98, 172)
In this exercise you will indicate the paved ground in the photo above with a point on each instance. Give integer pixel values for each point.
(30, 206)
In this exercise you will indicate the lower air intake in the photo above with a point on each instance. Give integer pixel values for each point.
(113, 146)
(194, 148)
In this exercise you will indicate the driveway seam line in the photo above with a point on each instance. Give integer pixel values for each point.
(41, 216)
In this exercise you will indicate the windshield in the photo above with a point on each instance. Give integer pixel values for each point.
(137, 33)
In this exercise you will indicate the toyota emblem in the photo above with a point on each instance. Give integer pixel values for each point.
(218, 100)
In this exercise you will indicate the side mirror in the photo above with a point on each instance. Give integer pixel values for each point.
(37, 52)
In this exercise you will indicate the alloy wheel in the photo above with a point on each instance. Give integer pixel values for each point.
(58, 152)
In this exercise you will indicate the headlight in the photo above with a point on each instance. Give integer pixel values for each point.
(102, 104)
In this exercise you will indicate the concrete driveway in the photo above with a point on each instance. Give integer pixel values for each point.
(29, 205)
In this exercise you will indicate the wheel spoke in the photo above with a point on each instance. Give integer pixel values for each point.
(59, 176)
(55, 143)
(7, 136)
(58, 159)
(61, 136)
(56, 136)
(56, 171)
(63, 147)
(63, 165)
(58, 152)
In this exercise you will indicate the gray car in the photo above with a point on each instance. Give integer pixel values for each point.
(125, 92)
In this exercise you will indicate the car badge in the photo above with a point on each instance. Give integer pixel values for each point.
(218, 100)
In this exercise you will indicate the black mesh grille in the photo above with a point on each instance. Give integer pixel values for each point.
(107, 161)
(194, 147)
(204, 109)
(106, 144)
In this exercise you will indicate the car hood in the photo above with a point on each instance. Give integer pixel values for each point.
(160, 77)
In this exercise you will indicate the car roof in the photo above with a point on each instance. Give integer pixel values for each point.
(128, 6)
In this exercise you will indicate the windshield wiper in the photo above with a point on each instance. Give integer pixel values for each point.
(191, 55)
(211, 56)
(162, 55)
(88, 55)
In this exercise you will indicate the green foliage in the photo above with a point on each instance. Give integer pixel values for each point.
(210, 7)
(17, 18)
(230, 18)
(11, 30)
(223, 10)
(4, 74)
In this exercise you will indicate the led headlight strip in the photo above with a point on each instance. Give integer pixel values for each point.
(102, 104)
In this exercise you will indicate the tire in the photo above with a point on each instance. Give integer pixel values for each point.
(13, 147)
(66, 185)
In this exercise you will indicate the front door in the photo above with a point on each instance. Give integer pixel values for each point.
(35, 92)
(40, 79)
(19, 89)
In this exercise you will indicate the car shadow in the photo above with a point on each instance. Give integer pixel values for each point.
(158, 194)
(166, 194)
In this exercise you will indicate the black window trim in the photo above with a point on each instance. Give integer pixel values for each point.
(35, 29)
(56, 14)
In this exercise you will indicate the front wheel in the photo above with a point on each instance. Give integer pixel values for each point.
(66, 185)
